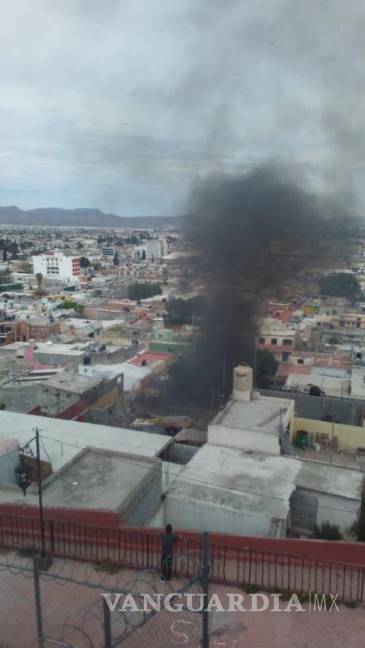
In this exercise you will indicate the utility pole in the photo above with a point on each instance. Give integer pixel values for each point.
(38, 601)
(40, 495)
(205, 585)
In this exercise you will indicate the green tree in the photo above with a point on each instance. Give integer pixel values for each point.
(13, 249)
(183, 311)
(137, 291)
(69, 304)
(342, 284)
(132, 240)
(328, 531)
(266, 368)
(39, 279)
(361, 523)
(84, 262)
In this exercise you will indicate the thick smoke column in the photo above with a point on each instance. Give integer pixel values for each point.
(251, 234)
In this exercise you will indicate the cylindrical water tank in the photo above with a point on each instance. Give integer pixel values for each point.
(242, 378)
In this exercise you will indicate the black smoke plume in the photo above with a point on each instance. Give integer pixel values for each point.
(251, 235)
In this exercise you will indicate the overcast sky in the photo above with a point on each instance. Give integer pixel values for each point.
(122, 104)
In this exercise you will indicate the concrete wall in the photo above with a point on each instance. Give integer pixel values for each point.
(337, 510)
(107, 399)
(243, 439)
(24, 398)
(358, 382)
(346, 410)
(350, 437)
(197, 515)
(330, 385)
(8, 463)
(145, 500)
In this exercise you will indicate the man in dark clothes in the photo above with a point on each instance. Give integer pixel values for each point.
(168, 540)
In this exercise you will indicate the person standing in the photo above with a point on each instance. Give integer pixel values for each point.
(168, 541)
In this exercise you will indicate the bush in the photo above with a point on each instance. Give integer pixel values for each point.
(69, 304)
(139, 291)
(328, 531)
(341, 284)
(266, 368)
(183, 311)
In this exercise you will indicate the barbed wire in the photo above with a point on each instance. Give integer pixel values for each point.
(83, 627)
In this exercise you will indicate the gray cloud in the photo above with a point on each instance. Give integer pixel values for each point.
(122, 104)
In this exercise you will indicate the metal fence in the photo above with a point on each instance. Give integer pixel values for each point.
(69, 610)
(229, 564)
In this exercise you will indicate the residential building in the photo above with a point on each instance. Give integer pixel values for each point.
(56, 265)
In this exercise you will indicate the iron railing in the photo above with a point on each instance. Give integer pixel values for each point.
(230, 564)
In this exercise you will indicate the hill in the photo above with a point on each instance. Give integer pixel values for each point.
(83, 217)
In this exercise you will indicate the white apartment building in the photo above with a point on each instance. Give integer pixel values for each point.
(56, 265)
(156, 248)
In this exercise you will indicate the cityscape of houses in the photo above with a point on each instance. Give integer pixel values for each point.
(86, 355)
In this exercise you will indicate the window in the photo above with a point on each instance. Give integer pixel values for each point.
(300, 361)
(288, 342)
(274, 341)
(261, 340)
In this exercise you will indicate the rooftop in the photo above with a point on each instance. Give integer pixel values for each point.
(90, 480)
(62, 440)
(262, 414)
(253, 484)
(72, 382)
(333, 480)
(132, 374)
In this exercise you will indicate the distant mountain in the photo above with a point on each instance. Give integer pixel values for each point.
(55, 216)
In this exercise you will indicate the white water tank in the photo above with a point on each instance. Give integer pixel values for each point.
(242, 383)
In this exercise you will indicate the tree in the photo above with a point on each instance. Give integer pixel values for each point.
(132, 240)
(39, 279)
(314, 390)
(361, 523)
(183, 311)
(13, 249)
(143, 255)
(342, 284)
(69, 304)
(138, 291)
(116, 258)
(5, 254)
(266, 368)
(328, 531)
(84, 262)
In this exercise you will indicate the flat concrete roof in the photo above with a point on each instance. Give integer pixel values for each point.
(262, 414)
(253, 484)
(99, 479)
(339, 481)
(62, 440)
(76, 349)
(72, 382)
(132, 374)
